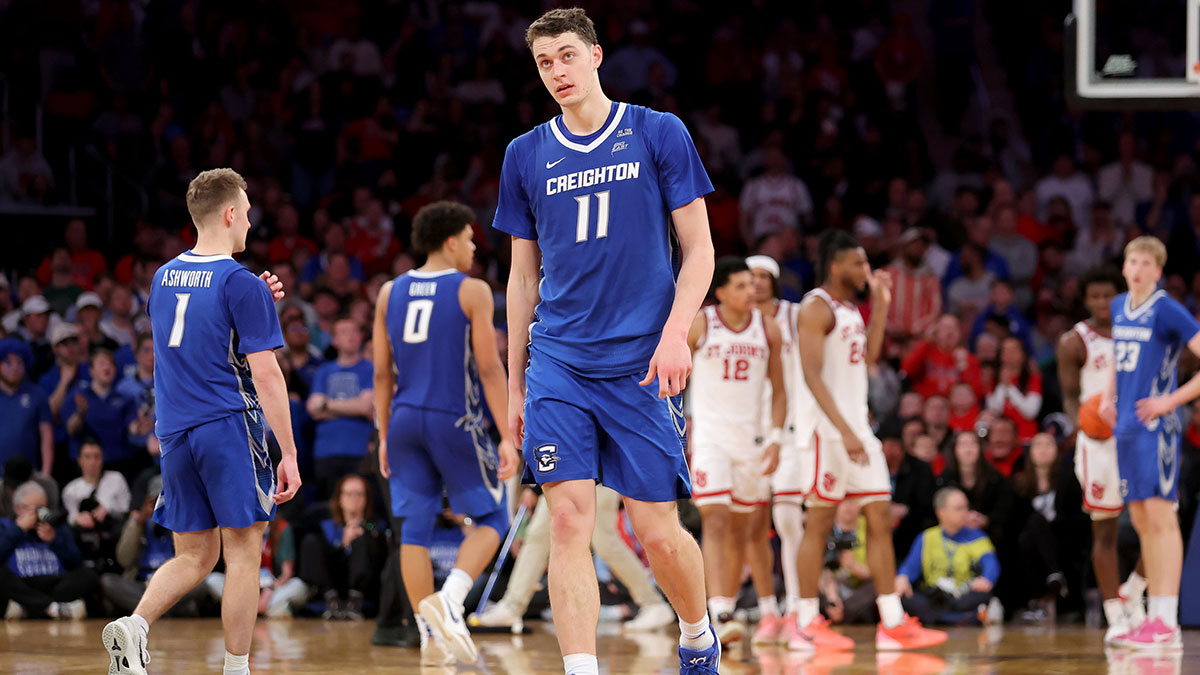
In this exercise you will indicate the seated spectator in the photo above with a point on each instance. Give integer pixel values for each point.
(1020, 254)
(373, 239)
(335, 242)
(27, 431)
(280, 591)
(41, 569)
(847, 589)
(343, 407)
(98, 411)
(1050, 543)
(951, 569)
(1001, 309)
(143, 547)
(337, 278)
(912, 487)
(935, 365)
(988, 494)
(1017, 393)
(924, 449)
(98, 500)
(343, 561)
(88, 310)
(964, 408)
(1004, 453)
(69, 370)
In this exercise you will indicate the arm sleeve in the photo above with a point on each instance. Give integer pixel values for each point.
(911, 567)
(513, 213)
(253, 313)
(990, 565)
(681, 175)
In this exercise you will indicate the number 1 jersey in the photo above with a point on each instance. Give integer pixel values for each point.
(1147, 342)
(207, 312)
(599, 208)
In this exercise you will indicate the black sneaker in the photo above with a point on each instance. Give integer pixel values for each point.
(352, 610)
(397, 636)
(333, 606)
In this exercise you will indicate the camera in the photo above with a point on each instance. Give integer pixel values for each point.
(51, 517)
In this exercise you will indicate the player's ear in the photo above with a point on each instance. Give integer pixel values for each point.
(597, 56)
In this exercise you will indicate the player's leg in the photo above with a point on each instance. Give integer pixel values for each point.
(788, 517)
(574, 592)
(196, 555)
(242, 550)
(761, 557)
(1162, 523)
(720, 545)
(674, 556)
(653, 611)
(1097, 473)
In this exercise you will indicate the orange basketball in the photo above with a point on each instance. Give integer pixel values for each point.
(1090, 422)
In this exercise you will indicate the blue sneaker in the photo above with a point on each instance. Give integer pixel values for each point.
(696, 662)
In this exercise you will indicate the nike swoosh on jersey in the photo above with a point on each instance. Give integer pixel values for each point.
(551, 165)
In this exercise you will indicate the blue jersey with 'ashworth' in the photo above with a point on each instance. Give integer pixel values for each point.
(599, 208)
(1147, 342)
(207, 312)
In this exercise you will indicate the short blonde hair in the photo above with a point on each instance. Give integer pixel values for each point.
(211, 190)
(1150, 245)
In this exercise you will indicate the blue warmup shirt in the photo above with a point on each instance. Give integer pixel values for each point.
(207, 313)
(599, 208)
(1147, 342)
(107, 419)
(23, 412)
(343, 436)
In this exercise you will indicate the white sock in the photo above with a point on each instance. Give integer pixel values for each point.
(141, 623)
(1165, 607)
(580, 664)
(695, 636)
(457, 585)
(1114, 611)
(236, 665)
(768, 606)
(719, 605)
(1135, 585)
(792, 604)
(807, 610)
(891, 612)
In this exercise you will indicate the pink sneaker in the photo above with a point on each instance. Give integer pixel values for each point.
(817, 636)
(1151, 634)
(770, 627)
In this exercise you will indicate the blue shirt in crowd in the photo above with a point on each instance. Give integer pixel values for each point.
(22, 412)
(343, 436)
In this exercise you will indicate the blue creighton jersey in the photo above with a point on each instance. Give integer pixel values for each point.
(207, 313)
(431, 344)
(1147, 342)
(599, 207)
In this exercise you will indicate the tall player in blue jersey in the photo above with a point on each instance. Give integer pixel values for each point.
(434, 325)
(596, 199)
(215, 379)
(1150, 331)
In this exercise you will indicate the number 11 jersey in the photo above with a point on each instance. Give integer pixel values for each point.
(599, 208)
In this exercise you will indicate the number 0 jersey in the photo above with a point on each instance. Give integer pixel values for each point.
(599, 208)
(431, 344)
(207, 312)
(1147, 342)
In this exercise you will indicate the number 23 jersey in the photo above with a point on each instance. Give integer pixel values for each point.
(1147, 342)
(599, 208)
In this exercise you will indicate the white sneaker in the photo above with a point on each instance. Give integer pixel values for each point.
(499, 615)
(447, 623)
(1116, 631)
(126, 647)
(74, 610)
(14, 612)
(651, 617)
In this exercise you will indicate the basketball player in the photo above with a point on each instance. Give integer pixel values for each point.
(216, 378)
(1150, 330)
(434, 324)
(596, 199)
(835, 352)
(736, 354)
(1085, 366)
(792, 481)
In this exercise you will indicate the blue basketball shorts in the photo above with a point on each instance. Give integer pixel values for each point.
(433, 453)
(611, 430)
(217, 474)
(1148, 462)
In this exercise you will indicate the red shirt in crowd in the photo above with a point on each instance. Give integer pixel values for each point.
(85, 266)
(1027, 427)
(964, 422)
(282, 248)
(1005, 466)
(934, 371)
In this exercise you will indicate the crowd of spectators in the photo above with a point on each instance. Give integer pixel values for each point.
(347, 117)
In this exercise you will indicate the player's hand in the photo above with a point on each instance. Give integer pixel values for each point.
(981, 585)
(508, 460)
(671, 364)
(385, 469)
(1150, 409)
(854, 448)
(287, 480)
(274, 284)
(1108, 412)
(903, 586)
(516, 415)
(880, 282)
(45, 532)
(770, 459)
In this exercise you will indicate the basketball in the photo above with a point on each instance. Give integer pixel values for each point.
(1090, 422)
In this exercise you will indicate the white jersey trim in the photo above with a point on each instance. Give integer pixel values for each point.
(193, 258)
(431, 275)
(1132, 314)
(597, 141)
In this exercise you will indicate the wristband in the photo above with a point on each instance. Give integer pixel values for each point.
(775, 436)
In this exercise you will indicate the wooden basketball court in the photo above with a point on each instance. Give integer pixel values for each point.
(186, 646)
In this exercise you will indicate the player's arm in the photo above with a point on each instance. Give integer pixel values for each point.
(1070, 355)
(522, 298)
(880, 282)
(814, 322)
(778, 394)
(672, 362)
(385, 375)
(1151, 408)
(273, 397)
(697, 332)
(475, 296)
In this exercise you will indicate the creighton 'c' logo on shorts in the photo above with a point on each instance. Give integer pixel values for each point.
(547, 458)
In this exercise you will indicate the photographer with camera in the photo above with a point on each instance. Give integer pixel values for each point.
(847, 590)
(949, 574)
(96, 504)
(41, 568)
